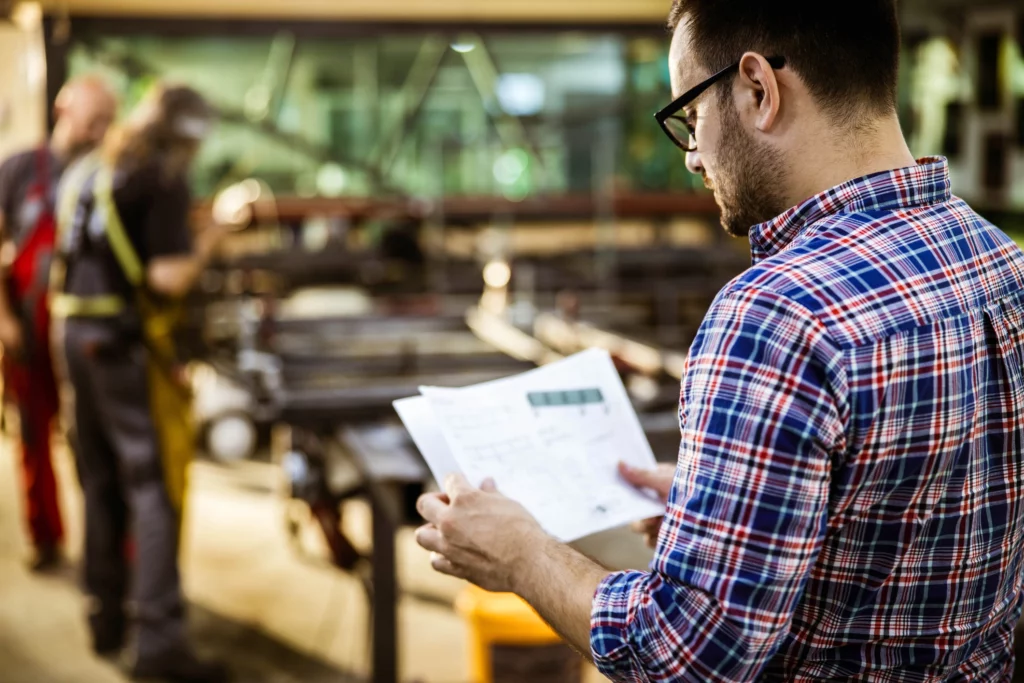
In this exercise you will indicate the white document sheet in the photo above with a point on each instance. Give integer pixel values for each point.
(418, 416)
(551, 438)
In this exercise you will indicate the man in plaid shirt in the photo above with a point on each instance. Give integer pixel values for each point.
(847, 503)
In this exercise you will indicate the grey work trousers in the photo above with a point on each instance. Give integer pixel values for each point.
(121, 472)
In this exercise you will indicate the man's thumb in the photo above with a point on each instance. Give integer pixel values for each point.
(638, 477)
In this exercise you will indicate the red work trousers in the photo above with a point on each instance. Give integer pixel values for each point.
(33, 388)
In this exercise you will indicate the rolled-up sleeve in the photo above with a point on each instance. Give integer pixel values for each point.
(762, 413)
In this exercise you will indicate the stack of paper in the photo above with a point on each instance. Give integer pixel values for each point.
(551, 439)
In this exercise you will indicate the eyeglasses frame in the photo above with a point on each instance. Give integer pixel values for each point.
(692, 94)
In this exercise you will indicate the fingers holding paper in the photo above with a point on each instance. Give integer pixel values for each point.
(660, 481)
(477, 534)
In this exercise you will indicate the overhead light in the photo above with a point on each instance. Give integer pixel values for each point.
(331, 180)
(497, 274)
(521, 94)
(510, 166)
(233, 205)
(462, 47)
(26, 15)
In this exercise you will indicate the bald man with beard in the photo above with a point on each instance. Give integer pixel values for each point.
(84, 109)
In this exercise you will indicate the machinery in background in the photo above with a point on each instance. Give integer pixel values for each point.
(322, 313)
(318, 264)
(327, 385)
(646, 321)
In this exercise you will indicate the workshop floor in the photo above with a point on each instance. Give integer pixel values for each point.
(274, 617)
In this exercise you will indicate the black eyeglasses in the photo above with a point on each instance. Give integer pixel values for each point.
(678, 128)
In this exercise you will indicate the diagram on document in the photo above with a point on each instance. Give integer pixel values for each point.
(551, 439)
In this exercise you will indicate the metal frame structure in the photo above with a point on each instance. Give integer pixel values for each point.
(59, 30)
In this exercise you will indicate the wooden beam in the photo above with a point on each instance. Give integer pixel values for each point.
(534, 11)
(480, 209)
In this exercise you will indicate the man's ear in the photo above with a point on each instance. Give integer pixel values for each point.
(758, 91)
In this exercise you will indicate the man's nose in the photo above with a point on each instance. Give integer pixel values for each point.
(693, 163)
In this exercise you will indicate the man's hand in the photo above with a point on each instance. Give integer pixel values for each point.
(660, 481)
(11, 336)
(478, 534)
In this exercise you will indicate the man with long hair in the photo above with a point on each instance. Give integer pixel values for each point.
(84, 109)
(848, 501)
(124, 248)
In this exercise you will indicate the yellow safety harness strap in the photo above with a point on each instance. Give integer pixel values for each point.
(71, 191)
(71, 306)
(127, 258)
(63, 305)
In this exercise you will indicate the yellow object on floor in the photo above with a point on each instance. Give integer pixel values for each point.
(510, 642)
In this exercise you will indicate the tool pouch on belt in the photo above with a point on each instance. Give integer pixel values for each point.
(151, 321)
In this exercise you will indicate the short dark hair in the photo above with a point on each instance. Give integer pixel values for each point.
(846, 53)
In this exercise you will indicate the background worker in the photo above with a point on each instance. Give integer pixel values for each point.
(84, 109)
(124, 246)
(847, 502)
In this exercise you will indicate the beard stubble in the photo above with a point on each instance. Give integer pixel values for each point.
(750, 176)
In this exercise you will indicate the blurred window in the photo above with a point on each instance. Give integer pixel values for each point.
(990, 93)
(480, 114)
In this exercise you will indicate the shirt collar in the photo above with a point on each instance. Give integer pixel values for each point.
(902, 188)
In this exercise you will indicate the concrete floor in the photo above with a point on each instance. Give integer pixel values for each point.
(274, 616)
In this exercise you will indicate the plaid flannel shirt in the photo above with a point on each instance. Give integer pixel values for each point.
(848, 498)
